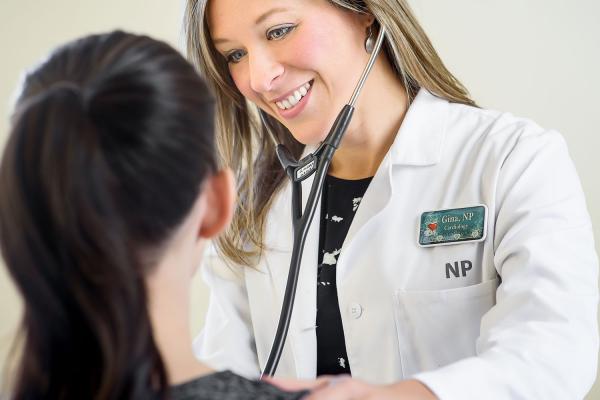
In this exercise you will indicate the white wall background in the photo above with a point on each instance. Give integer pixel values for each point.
(536, 58)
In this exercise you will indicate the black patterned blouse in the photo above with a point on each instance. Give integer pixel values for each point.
(339, 203)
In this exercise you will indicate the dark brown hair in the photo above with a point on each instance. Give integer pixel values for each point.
(110, 142)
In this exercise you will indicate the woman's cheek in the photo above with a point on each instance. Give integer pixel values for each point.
(307, 52)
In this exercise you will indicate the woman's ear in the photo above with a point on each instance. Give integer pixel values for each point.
(220, 198)
(366, 20)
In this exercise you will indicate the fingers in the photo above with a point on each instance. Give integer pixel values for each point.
(341, 388)
(292, 385)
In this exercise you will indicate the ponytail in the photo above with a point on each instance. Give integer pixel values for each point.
(110, 142)
(87, 327)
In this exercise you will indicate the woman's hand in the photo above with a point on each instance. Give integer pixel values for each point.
(295, 385)
(345, 388)
(354, 389)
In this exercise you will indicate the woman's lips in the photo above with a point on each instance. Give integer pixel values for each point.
(297, 108)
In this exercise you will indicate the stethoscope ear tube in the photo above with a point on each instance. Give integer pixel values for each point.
(317, 163)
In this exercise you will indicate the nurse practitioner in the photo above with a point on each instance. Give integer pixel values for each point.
(452, 253)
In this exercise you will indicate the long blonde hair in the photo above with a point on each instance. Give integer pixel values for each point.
(245, 134)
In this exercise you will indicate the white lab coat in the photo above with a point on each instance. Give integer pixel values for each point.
(520, 324)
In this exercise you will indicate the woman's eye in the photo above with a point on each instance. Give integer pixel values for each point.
(235, 56)
(279, 32)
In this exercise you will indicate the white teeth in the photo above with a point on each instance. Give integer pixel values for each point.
(294, 98)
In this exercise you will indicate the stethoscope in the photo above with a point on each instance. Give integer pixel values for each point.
(314, 163)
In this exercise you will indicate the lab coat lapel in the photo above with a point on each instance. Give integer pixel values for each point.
(301, 335)
(418, 142)
(304, 339)
(278, 238)
(374, 200)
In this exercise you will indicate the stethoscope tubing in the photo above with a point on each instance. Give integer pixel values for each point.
(316, 163)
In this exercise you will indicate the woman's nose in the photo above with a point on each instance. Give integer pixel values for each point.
(264, 72)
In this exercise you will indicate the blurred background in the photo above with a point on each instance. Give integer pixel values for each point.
(537, 59)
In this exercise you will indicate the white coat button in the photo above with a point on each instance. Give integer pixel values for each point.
(356, 310)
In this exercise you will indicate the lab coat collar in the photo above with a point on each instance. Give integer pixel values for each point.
(420, 138)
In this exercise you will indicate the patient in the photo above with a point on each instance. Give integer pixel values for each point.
(109, 187)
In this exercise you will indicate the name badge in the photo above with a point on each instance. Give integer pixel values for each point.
(452, 226)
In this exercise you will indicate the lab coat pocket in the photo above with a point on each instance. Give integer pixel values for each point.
(438, 327)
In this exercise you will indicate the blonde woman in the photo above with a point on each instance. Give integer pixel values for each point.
(451, 255)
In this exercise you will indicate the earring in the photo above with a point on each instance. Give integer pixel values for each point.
(370, 41)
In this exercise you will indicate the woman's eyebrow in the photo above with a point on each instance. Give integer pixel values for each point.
(260, 19)
(268, 14)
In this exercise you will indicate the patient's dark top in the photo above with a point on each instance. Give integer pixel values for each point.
(228, 386)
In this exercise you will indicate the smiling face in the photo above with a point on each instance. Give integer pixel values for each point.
(297, 60)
